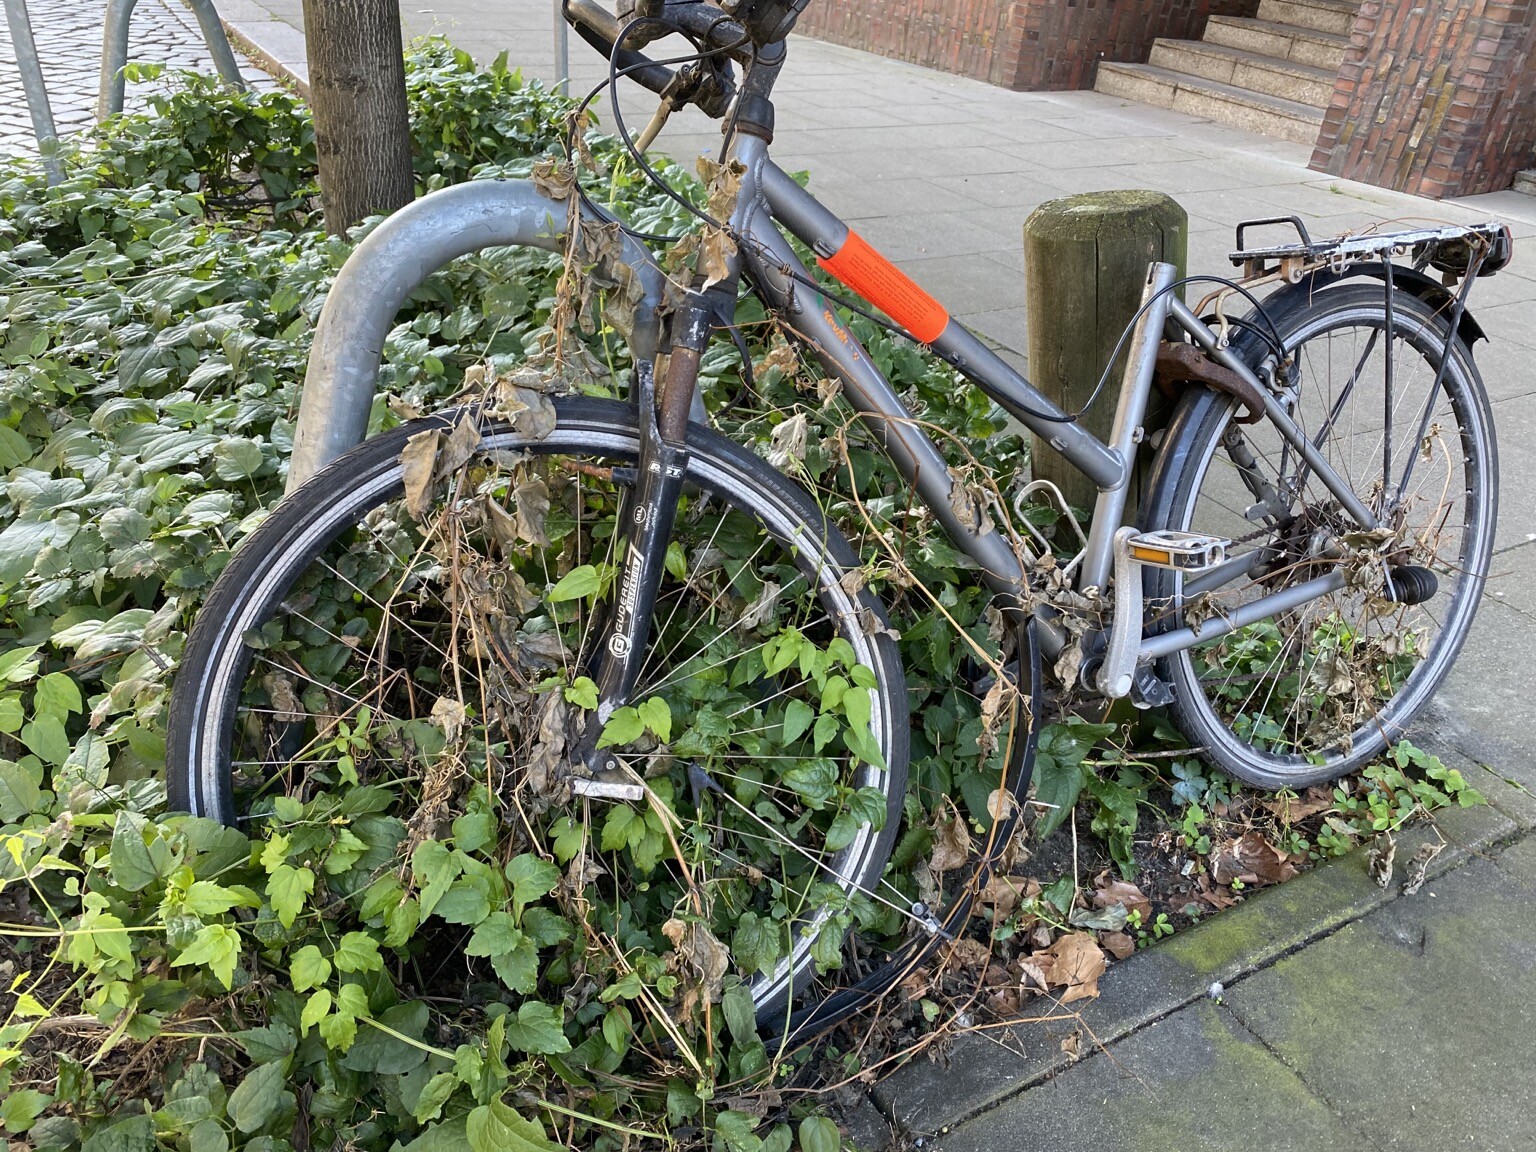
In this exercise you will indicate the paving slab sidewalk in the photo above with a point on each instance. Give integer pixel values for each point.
(1351, 1016)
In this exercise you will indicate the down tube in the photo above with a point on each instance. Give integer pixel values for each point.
(812, 318)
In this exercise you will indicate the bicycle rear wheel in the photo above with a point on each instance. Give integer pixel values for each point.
(445, 653)
(1312, 694)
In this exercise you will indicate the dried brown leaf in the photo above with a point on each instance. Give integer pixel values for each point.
(1119, 945)
(418, 466)
(531, 499)
(951, 843)
(1109, 890)
(1077, 962)
(1251, 859)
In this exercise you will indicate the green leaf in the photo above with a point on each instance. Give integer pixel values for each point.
(819, 1134)
(439, 1089)
(519, 967)
(494, 1127)
(205, 898)
(798, 717)
(307, 968)
(358, 952)
(435, 867)
(257, 1098)
(782, 651)
(215, 947)
(18, 666)
(473, 831)
(19, 793)
(45, 738)
(583, 693)
(382, 1054)
(465, 902)
(676, 561)
(736, 1131)
(287, 890)
(622, 826)
(545, 928)
(756, 944)
(15, 450)
(537, 1028)
(495, 934)
(531, 878)
(132, 867)
(11, 715)
(618, 1027)
(740, 1013)
(209, 1136)
(21, 1107)
(576, 584)
(57, 695)
(135, 1134)
(316, 1009)
(657, 716)
(236, 458)
(449, 1136)
(624, 727)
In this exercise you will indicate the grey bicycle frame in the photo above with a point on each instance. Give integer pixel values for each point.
(768, 194)
(426, 235)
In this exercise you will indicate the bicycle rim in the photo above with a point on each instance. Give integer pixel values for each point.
(468, 638)
(1312, 694)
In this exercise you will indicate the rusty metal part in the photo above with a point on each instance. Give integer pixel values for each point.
(677, 395)
(1181, 364)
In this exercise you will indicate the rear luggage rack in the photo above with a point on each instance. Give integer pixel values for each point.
(1450, 249)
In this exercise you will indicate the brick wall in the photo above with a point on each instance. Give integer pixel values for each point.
(1437, 99)
(1063, 40)
(1022, 44)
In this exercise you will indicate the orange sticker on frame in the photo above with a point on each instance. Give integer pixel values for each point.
(887, 287)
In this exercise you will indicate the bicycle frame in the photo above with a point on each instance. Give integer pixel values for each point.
(769, 197)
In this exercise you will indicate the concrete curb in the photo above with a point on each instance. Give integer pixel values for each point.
(983, 1070)
(274, 45)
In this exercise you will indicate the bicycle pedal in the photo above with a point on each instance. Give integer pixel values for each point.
(1184, 551)
(608, 784)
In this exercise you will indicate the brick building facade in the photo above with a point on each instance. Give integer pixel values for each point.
(1020, 44)
(1437, 99)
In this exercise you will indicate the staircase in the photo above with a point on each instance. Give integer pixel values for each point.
(1526, 182)
(1272, 74)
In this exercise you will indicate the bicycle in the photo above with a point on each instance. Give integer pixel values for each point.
(599, 590)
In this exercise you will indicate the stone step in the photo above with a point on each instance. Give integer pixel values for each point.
(1335, 16)
(1526, 182)
(1242, 69)
(1197, 96)
(1282, 41)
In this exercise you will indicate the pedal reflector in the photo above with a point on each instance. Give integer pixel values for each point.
(1186, 551)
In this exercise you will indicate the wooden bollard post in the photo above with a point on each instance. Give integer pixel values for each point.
(1085, 263)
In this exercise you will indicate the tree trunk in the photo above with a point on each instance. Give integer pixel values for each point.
(357, 92)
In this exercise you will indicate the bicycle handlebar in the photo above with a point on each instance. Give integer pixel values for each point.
(600, 28)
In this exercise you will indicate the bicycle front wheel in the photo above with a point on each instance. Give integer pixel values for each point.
(439, 644)
(1315, 693)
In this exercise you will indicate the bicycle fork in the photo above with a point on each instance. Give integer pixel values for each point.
(651, 513)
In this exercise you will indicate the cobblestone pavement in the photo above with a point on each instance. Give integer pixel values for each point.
(68, 35)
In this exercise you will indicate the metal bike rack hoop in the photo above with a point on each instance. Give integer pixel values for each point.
(386, 268)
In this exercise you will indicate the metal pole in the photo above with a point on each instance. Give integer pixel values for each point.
(36, 90)
(218, 43)
(562, 48)
(388, 266)
(114, 57)
(114, 51)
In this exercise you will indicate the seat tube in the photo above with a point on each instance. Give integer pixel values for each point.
(1135, 390)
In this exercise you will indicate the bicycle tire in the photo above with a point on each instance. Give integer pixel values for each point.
(248, 595)
(1184, 467)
